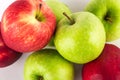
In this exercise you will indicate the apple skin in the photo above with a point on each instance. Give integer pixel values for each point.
(82, 41)
(27, 25)
(7, 55)
(108, 11)
(48, 64)
(58, 8)
(105, 67)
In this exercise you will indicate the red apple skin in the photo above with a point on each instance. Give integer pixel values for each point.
(105, 67)
(21, 30)
(7, 55)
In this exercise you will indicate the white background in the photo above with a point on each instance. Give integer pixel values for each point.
(15, 71)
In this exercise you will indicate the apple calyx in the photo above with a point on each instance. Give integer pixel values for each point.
(39, 15)
(69, 18)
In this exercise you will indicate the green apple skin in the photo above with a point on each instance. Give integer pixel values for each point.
(82, 41)
(58, 8)
(108, 11)
(48, 64)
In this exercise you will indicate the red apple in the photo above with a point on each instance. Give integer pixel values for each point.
(105, 67)
(27, 25)
(7, 55)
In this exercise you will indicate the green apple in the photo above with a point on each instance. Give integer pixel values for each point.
(80, 37)
(108, 11)
(58, 8)
(48, 64)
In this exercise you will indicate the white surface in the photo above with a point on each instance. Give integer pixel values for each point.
(15, 71)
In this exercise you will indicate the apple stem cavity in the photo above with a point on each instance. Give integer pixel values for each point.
(108, 19)
(39, 16)
(68, 17)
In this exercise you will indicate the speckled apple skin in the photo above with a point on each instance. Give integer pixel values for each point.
(21, 30)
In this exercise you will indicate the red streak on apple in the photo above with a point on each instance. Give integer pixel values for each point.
(105, 67)
(22, 31)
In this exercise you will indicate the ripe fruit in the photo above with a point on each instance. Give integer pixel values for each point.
(58, 8)
(27, 25)
(105, 67)
(108, 11)
(47, 64)
(7, 55)
(80, 38)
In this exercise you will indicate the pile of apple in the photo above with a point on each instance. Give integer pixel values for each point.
(60, 38)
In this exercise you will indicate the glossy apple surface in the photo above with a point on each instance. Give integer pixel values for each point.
(108, 11)
(7, 55)
(47, 64)
(81, 41)
(105, 67)
(27, 25)
(58, 8)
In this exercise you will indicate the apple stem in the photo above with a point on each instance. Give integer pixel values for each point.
(39, 12)
(70, 19)
(108, 19)
(40, 6)
(41, 78)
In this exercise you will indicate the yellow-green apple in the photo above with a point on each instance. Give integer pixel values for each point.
(7, 55)
(48, 64)
(58, 8)
(80, 37)
(27, 25)
(108, 11)
(105, 67)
